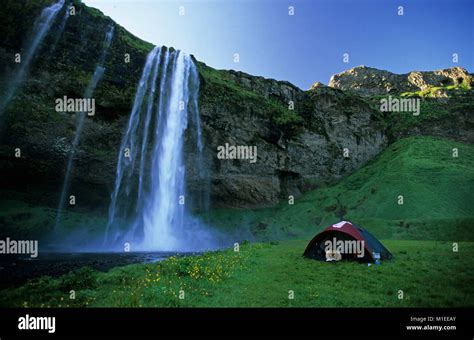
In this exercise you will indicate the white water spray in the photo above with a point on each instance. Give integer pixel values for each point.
(151, 200)
(61, 27)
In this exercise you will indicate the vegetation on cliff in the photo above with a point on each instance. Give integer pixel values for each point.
(218, 87)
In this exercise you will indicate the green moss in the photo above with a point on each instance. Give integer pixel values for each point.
(20, 219)
(221, 79)
(432, 91)
(95, 12)
(17, 19)
(285, 119)
(432, 110)
(219, 88)
(134, 42)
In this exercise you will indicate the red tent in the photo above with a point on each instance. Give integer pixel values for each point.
(348, 232)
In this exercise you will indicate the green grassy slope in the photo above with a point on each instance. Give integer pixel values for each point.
(436, 189)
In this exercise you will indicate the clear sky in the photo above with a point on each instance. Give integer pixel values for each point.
(308, 46)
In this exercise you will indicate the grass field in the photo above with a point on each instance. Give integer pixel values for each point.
(427, 273)
(436, 215)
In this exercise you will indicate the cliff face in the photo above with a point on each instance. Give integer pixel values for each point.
(303, 138)
(298, 148)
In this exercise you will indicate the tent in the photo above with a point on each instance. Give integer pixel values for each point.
(350, 241)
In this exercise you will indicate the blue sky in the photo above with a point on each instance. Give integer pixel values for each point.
(308, 46)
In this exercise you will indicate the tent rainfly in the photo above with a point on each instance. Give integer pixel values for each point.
(345, 240)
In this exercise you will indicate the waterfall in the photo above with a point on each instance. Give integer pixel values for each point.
(61, 27)
(108, 40)
(40, 28)
(149, 204)
(89, 91)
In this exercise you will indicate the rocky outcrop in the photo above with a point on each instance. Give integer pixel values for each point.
(369, 81)
(317, 85)
(268, 88)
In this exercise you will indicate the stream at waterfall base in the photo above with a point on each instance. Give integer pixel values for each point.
(18, 269)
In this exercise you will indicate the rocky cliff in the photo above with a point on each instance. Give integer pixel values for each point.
(298, 148)
(368, 81)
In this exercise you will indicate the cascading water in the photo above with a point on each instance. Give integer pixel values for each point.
(40, 28)
(151, 200)
(97, 76)
(61, 27)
